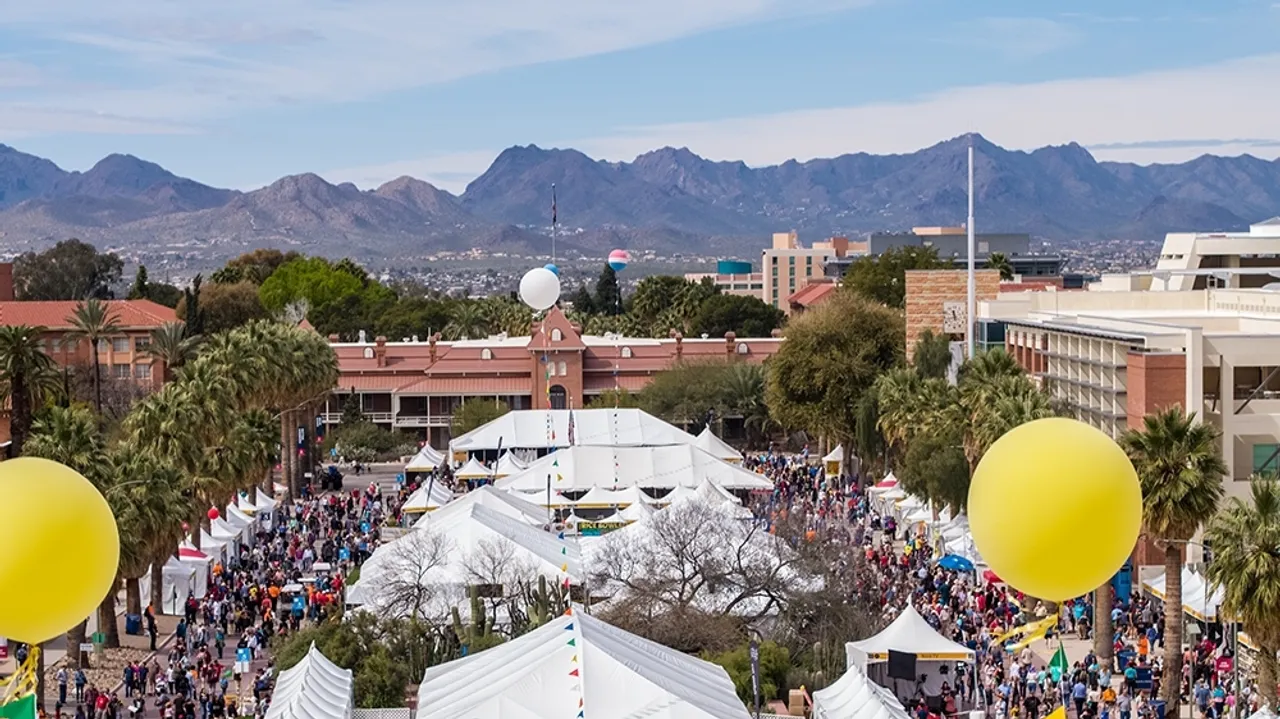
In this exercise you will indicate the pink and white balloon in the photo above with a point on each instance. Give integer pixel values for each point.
(540, 288)
(618, 260)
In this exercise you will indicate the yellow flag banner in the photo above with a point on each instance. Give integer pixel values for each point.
(17, 692)
(1059, 713)
(1041, 627)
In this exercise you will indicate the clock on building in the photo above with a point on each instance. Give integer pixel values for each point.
(953, 317)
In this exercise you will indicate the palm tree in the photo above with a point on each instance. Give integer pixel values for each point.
(171, 345)
(932, 357)
(1246, 564)
(1179, 464)
(146, 497)
(896, 392)
(27, 378)
(1000, 261)
(95, 321)
(744, 396)
(70, 435)
(468, 320)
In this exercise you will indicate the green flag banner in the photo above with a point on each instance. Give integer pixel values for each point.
(1058, 666)
(24, 708)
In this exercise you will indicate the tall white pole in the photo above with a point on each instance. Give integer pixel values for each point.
(972, 298)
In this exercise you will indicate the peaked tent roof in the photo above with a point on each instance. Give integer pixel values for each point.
(507, 465)
(514, 506)
(835, 455)
(578, 664)
(527, 429)
(708, 442)
(601, 498)
(855, 696)
(473, 469)
(314, 688)
(422, 501)
(911, 634)
(427, 459)
(580, 468)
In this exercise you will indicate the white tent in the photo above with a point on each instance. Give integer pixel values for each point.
(1198, 598)
(540, 498)
(636, 512)
(578, 665)
(220, 528)
(511, 463)
(180, 580)
(835, 455)
(420, 501)
(314, 688)
(239, 519)
(262, 510)
(911, 634)
(855, 696)
(426, 460)
(473, 469)
(528, 429)
(884, 486)
(601, 498)
(708, 442)
(581, 468)
(516, 506)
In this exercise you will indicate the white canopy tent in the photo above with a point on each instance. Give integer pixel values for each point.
(180, 580)
(220, 528)
(528, 429)
(601, 498)
(426, 460)
(708, 442)
(855, 696)
(314, 688)
(578, 469)
(428, 497)
(578, 665)
(509, 463)
(884, 486)
(636, 512)
(263, 509)
(473, 469)
(248, 525)
(910, 634)
(541, 499)
(1198, 599)
(519, 507)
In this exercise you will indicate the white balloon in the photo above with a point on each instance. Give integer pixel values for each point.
(540, 288)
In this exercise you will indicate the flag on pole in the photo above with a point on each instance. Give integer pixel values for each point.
(24, 708)
(1058, 666)
(570, 428)
(553, 204)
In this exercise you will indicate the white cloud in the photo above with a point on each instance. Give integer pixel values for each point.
(1155, 117)
(190, 62)
(1016, 37)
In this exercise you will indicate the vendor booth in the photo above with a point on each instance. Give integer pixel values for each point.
(910, 643)
(855, 696)
(708, 442)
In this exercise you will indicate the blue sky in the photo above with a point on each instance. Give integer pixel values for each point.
(237, 93)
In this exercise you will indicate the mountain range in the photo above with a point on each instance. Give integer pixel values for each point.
(666, 200)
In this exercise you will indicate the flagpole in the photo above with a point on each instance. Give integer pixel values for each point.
(971, 304)
(554, 221)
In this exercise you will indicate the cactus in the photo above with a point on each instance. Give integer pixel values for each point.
(478, 633)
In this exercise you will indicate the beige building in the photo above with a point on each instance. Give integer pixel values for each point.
(787, 266)
(1200, 260)
(749, 284)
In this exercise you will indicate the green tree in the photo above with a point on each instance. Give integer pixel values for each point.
(351, 412)
(615, 398)
(934, 467)
(1245, 537)
(159, 292)
(608, 300)
(254, 267)
(139, 289)
(476, 412)
(189, 309)
(223, 307)
(311, 279)
(467, 321)
(1000, 261)
(583, 301)
(410, 316)
(70, 270)
(743, 394)
(349, 314)
(832, 355)
(932, 357)
(868, 440)
(171, 345)
(882, 278)
(775, 663)
(145, 494)
(95, 322)
(744, 316)
(27, 379)
(70, 435)
(689, 392)
(1180, 466)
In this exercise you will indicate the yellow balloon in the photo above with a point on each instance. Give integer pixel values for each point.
(1055, 508)
(60, 552)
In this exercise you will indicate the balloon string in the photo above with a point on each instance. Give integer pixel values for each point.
(24, 681)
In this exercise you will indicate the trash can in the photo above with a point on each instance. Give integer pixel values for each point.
(133, 624)
(1157, 706)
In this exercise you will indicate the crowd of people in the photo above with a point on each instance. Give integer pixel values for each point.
(292, 570)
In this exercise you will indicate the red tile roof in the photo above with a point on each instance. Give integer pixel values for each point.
(811, 294)
(130, 314)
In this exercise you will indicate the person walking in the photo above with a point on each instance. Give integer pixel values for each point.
(80, 680)
(62, 677)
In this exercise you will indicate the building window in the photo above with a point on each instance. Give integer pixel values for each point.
(103, 345)
(120, 371)
(742, 348)
(626, 353)
(1266, 459)
(142, 371)
(141, 343)
(791, 260)
(564, 370)
(368, 353)
(120, 344)
(556, 335)
(486, 354)
(57, 344)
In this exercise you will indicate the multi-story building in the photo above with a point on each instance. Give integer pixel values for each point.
(952, 244)
(120, 357)
(1199, 260)
(416, 385)
(787, 266)
(732, 277)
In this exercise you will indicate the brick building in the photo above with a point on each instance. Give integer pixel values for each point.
(120, 357)
(937, 300)
(416, 385)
